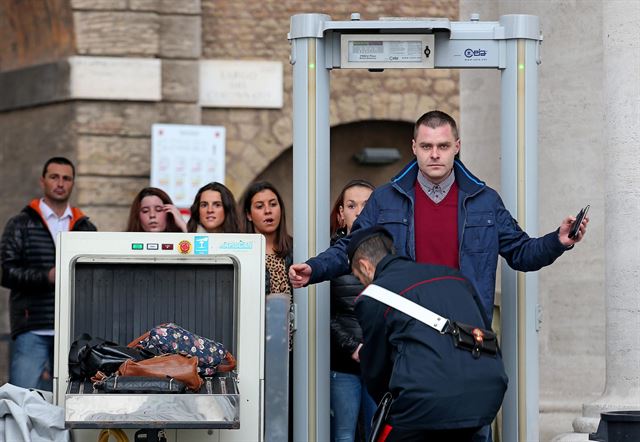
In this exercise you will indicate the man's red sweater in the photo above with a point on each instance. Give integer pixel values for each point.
(436, 228)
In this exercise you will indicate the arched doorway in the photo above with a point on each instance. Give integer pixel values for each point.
(347, 140)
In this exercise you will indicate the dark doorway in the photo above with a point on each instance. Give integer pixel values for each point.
(346, 141)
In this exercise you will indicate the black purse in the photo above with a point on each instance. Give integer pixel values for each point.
(139, 385)
(89, 355)
(477, 340)
(380, 417)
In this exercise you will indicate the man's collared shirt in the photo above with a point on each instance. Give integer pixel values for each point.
(56, 224)
(436, 192)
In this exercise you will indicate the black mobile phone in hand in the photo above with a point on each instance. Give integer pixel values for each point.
(575, 227)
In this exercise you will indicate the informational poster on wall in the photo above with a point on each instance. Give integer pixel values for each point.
(186, 157)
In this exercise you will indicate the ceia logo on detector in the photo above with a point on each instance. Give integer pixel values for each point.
(469, 53)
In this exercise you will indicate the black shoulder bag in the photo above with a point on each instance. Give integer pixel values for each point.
(89, 355)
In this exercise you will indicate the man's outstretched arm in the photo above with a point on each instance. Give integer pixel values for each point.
(299, 275)
(333, 261)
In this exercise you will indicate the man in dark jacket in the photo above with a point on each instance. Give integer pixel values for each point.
(439, 213)
(28, 254)
(439, 392)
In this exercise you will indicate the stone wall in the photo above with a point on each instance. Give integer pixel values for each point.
(114, 137)
(34, 32)
(241, 30)
(110, 140)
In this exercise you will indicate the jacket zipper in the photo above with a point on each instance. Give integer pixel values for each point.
(464, 226)
(408, 222)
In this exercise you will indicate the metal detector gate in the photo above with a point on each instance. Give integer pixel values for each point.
(320, 44)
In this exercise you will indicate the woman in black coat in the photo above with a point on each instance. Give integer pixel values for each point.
(348, 394)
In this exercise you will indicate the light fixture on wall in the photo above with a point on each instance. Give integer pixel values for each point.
(377, 155)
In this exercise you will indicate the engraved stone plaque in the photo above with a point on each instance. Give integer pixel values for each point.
(115, 78)
(246, 84)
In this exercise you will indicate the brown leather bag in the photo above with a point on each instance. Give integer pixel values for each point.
(178, 367)
(227, 364)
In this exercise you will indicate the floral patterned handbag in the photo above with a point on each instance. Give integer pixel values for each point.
(170, 338)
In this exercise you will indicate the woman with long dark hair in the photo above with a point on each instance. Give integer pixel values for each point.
(153, 211)
(214, 210)
(264, 213)
(349, 397)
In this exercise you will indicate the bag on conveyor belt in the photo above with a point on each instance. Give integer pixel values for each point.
(170, 338)
(178, 367)
(137, 385)
(89, 355)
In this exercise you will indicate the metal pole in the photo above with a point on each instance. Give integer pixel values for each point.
(519, 192)
(311, 224)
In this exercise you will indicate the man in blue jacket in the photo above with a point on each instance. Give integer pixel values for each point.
(438, 212)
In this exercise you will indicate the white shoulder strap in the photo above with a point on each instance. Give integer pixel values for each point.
(406, 306)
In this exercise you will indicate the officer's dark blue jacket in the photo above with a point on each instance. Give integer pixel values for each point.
(435, 385)
(485, 229)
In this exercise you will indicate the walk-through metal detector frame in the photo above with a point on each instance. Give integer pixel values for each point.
(510, 45)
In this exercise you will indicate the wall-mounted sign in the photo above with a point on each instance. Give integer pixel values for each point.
(115, 78)
(186, 157)
(246, 84)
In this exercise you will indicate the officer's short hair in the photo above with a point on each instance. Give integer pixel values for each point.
(372, 243)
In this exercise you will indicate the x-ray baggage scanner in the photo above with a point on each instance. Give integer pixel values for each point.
(319, 45)
(118, 285)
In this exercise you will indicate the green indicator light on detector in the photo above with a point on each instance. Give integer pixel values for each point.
(521, 66)
(136, 246)
(312, 65)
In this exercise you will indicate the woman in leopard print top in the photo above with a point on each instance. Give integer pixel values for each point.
(264, 213)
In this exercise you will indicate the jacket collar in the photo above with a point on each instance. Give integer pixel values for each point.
(467, 182)
(76, 214)
(385, 263)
